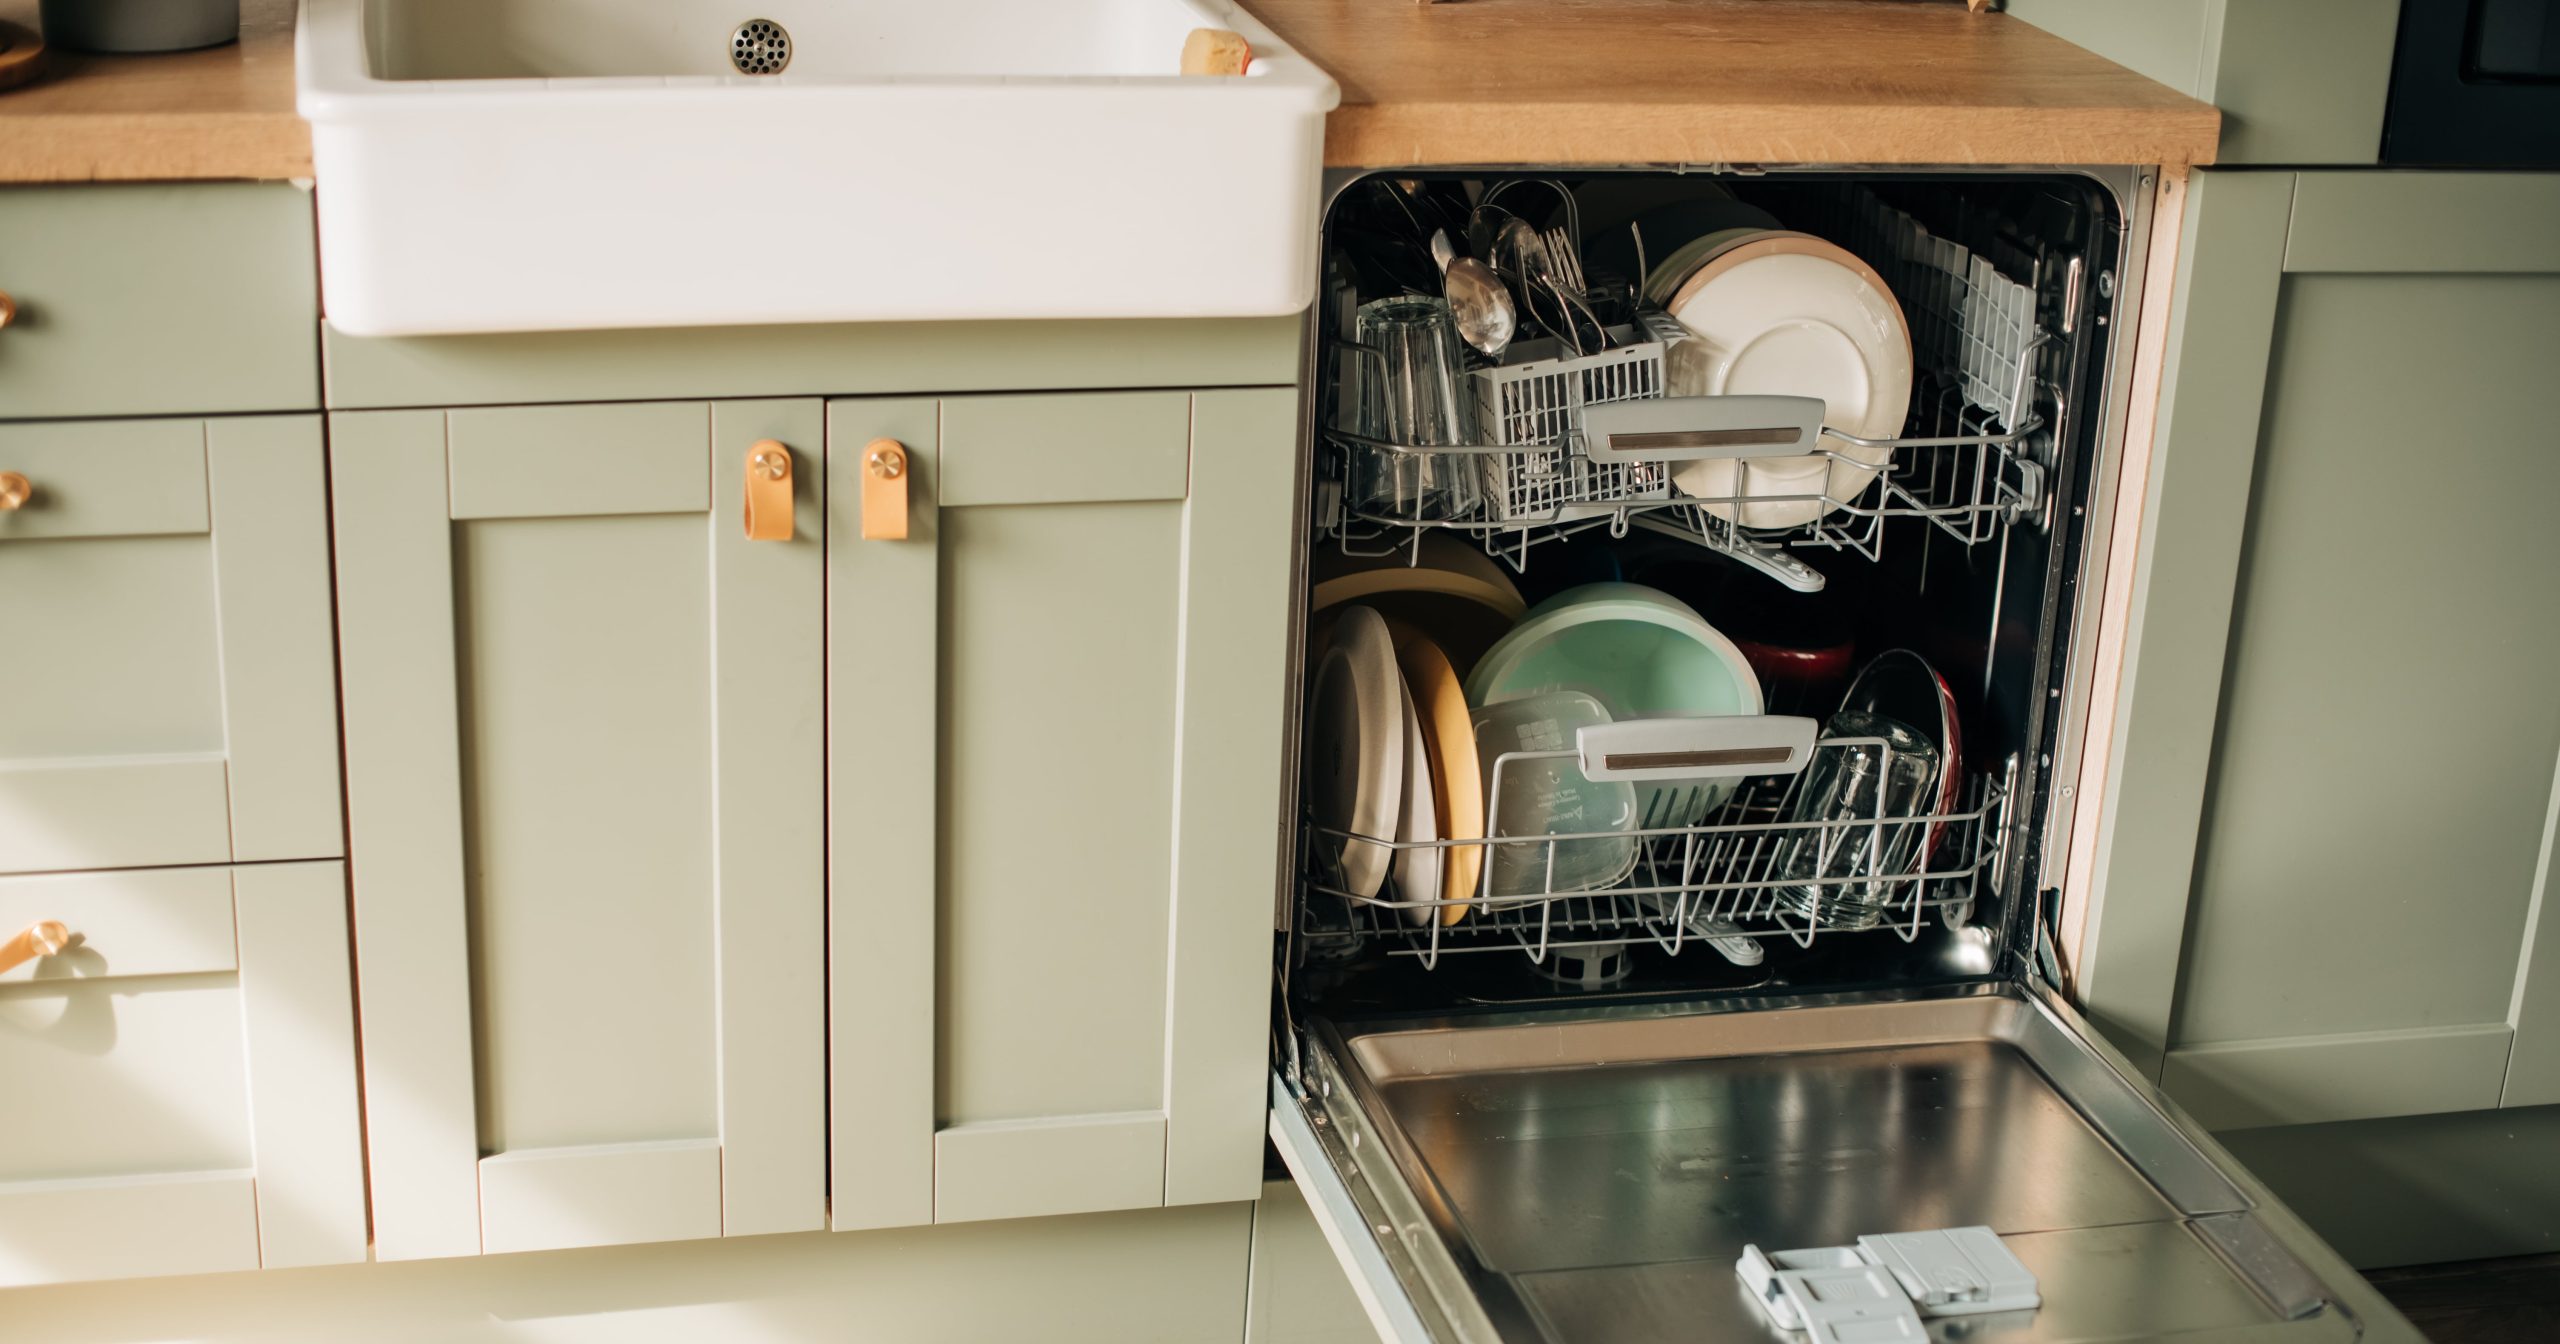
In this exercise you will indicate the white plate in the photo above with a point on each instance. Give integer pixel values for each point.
(1355, 765)
(1792, 315)
(1694, 254)
(1417, 871)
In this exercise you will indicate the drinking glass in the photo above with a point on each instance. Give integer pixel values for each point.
(1411, 390)
(1850, 785)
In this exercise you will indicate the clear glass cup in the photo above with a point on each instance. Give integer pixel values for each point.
(1408, 386)
(1848, 783)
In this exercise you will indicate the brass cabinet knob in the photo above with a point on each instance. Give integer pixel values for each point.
(8, 308)
(15, 490)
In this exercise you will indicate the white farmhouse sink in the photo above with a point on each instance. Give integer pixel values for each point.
(526, 165)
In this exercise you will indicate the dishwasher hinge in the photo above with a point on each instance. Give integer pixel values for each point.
(2045, 962)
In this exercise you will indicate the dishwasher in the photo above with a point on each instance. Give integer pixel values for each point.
(1788, 1060)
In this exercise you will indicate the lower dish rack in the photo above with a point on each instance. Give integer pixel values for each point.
(1729, 876)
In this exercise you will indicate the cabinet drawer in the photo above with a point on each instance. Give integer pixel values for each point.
(153, 921)
(153, 300)
(181, 1076)
(164, 598)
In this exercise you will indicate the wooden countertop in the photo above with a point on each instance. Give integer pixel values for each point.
(1477, 82)
(1724, 81)
(224, 112)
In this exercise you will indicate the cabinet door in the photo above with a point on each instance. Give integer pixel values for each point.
(2341, 720)
(182, 1079)
(2298, 81)
(1054, 742)
(584, 779)
(164, 646)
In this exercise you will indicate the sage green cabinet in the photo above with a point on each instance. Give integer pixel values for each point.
(188, 299)
(181, 1078)
(1055, 717)
(2339, 720)
(2298, 81)
(165, 646)
(584, 734)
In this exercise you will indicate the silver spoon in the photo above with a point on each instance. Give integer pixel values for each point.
(1481, 306)
(1478, 302)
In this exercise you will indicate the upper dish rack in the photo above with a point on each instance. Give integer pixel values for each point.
(1719, 879)
(1558, 459)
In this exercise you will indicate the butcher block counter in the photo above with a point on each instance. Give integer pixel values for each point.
(1478, 82)
(1567, 82)
(223, 112)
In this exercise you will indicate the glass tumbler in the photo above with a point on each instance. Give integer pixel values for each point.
(1849, 786)
(1412, 391)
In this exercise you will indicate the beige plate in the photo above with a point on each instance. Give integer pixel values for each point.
(1451, 591)
(1457, 782)
(1445, 565)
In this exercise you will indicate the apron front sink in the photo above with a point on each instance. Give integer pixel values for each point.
(526, 165)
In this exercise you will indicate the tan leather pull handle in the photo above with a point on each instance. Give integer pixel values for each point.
(884, 491)
(768, 492)
(40, 939)
(1215, 51)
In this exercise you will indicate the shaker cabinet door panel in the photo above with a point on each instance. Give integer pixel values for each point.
(165, 593)
(1055, 752)
(2350, 487)
(182, 1075)
(585, 785)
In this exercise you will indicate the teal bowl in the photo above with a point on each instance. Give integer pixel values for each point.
(1640, 652)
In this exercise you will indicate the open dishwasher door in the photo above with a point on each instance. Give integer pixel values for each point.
(1545, 1078)
(1591, 1175)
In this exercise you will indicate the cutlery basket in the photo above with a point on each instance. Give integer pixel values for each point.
(1537, 403)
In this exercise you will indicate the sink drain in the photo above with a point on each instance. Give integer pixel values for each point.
(759, 47)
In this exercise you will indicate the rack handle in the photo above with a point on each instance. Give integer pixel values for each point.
(40, 939)
(1695, 429)
(1730, 746)
(768, 492)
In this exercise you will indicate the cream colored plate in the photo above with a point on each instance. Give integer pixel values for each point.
(1356, 744)
(1793, 315)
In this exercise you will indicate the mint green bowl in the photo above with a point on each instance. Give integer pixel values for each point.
(1640, 652)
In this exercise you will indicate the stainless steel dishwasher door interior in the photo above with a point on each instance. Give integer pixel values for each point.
(1592, 1177)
